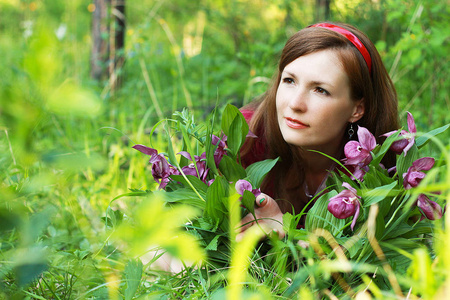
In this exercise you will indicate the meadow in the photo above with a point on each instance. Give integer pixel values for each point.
(80, 214)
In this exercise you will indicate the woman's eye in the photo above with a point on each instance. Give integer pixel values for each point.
(288, 80)
(321, 91)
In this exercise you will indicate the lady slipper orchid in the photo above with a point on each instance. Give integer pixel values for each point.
(220, 150)
(414, 176)
(407, 138)
(190, 169)
(345, 204)
(358, 153)
(161, 169)
(430, 209)
(243, 185)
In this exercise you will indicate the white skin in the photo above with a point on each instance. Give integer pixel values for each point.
(313, 107)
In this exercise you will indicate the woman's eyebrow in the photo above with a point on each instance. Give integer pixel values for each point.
(321, 83)
(290, 74)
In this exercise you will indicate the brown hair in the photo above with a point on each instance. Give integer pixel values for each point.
(376, 88)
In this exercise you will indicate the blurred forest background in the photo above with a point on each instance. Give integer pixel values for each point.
(82, 81)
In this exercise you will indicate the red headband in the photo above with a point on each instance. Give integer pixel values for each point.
(352, 38)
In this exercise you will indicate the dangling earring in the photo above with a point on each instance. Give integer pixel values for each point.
(351, 131)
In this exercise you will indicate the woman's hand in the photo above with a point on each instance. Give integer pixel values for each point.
(269, 216)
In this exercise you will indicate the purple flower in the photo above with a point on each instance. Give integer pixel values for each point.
(357, 171)
(345, 204)
(414, 176)
(430, 209)
(146, 150)
(358, 153)
(243, 185)
(161, 169)
(190, 169)
(407, 140)
(220, 150)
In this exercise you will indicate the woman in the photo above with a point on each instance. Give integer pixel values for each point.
(330, 79)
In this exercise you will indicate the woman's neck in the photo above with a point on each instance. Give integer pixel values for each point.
(317, 170)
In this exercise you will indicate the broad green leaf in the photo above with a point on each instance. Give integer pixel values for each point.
(375, 195)
(215, 206)
(181, 196)
(229, 114)
(248, 200)
(257, 171)
(213, 244)
(407, 231)
(232, 170)
(198, 185)
(423, 139)
(235, 128)
(380, 226)
(319, 216)
(353, 245)
(238, 132)
(133, 275)
(404, 162)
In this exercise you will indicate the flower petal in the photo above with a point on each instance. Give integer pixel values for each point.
(185, 154)
(366, 139)
(144, 149)
(424, 163)
(411, 123)
(355, 217)
(429, 208)
(349, 187)
(242, 185)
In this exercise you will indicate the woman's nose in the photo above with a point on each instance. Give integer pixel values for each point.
(298, 100)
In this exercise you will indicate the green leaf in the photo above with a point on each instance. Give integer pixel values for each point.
(229, 114)
(215, 196)
(383, 149)
(375, 195)
(352, 245)
(404, 162)
(210, 149)
(212, 246)
(248, 200)
(380, 226)
(196, 183)
(235, 127)
(231, 169)
(257, 171)
(319, 216)
(234, 140)
(423, 139)
(133, 275)
(182, 196)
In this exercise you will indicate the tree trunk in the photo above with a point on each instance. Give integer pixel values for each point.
(108, 41)
(99, 53)
(322, 10)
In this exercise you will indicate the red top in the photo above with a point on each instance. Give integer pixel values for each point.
(258, 151)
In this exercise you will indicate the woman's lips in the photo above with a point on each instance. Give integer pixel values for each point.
(295, 124)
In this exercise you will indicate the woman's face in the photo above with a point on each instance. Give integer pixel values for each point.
(313, 102)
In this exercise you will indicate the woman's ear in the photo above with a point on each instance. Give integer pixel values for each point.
(358, 111)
